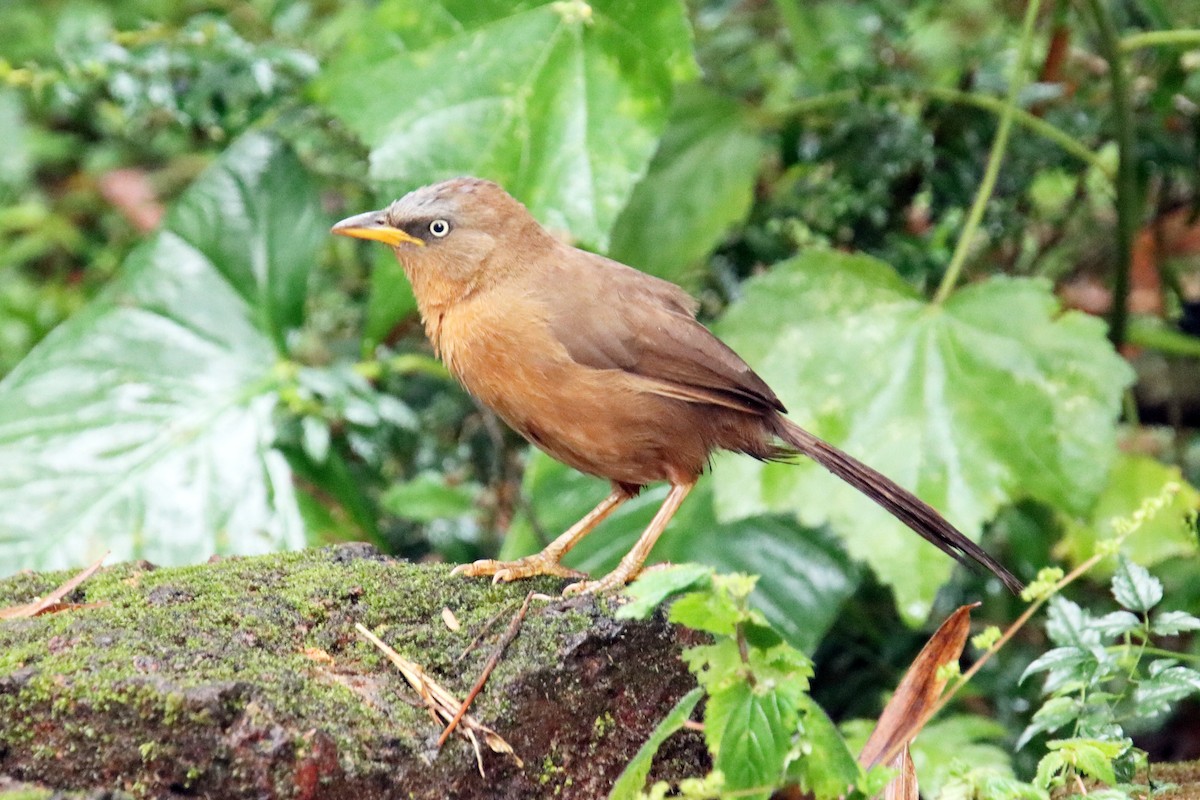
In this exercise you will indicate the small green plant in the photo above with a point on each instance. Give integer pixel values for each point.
(1105, 675)
(760, 724)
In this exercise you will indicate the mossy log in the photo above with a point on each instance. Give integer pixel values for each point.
(245, 677)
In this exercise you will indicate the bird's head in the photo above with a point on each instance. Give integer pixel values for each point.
(446, 234)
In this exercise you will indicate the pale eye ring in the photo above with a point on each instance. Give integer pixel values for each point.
(439, 228)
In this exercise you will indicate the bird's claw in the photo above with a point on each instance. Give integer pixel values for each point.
(507, 571)
(608, 583)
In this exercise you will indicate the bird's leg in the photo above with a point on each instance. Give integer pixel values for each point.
(631, 564)
(546, 562)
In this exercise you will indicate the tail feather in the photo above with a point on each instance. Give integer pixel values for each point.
(898, 501)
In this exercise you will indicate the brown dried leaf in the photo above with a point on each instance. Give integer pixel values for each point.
(907, 712)
(441, 703)
(904, 785)
(53, 601)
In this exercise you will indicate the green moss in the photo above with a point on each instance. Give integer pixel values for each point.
(283, 624)
(25, 794)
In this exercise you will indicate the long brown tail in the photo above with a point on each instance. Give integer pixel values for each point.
(899, 502)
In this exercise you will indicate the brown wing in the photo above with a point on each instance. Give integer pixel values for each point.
(615, 317)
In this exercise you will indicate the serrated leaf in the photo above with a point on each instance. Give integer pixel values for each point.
(633, 777)
(652, 588)
(1054, 713)
(804, 574)
(750, 738)
(1090, 756)
(1134, 478)
(1050, 765)
(992, 396)
(145, 424)
(1059, 658)
(1172, 623)
(711, 612)
(700, 182)
(1070, 625)
(1158, 693)
(1116, 623)
(562, 102)
(824, 765)
(716, 666)
(1135, 588)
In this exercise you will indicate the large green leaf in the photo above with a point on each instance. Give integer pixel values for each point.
(805, 574)
(1133, 480)
(144, 424)
(562, 102)
(992, 396)
(700, 182)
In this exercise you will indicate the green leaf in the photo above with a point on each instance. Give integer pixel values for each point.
(716, 666)
(1054, 714)
(562, 102)
(1051, 763)
(1166, 687)
(749, 734)
(700, 182)
(144, 425)
(1165, 535)
(804, 574)
(1173, 623)
(824, 764)
(652, 588)
(946, 745)
(1090, 756)
(1058, 659)
(633, 777)
(1135, 588)
(428, 497)
(712, 612)
(258, 221)
(1116, 623)
(992, 396)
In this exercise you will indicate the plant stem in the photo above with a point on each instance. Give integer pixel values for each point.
(1136, 41)
(995, 157)
(1032, 123)
(1128, 201)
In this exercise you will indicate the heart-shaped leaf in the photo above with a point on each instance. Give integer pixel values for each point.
(562, 102)
(992, 396)
(144, 424)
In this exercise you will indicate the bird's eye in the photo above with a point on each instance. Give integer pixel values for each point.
(439, 227)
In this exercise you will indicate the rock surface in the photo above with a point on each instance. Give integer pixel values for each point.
(245, 677)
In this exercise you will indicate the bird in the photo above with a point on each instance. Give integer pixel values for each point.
(600, 365)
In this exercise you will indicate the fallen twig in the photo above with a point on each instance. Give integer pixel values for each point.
(442, 704)
(487, 626)
(493, 659)
(52, 601)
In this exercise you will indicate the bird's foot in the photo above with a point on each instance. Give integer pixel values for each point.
(612, 582)
(527, 567)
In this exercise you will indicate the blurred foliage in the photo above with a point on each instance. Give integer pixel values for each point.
(192, 366)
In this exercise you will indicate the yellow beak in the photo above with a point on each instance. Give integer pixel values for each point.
(374, 225)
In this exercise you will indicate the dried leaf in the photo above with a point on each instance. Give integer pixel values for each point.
(904, 785)
(907, 711)
(53, 601)
(441, 703)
